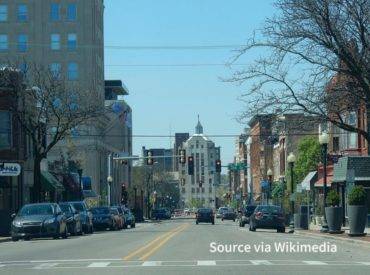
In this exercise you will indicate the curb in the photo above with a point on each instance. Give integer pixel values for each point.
(328, 236)
(6, 239)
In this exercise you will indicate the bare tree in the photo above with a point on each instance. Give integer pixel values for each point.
(48, 108)
(317, 62)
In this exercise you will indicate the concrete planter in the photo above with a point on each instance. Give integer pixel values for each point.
(357, 216)
(334, 219)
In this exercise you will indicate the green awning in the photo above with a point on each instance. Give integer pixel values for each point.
(50, 183)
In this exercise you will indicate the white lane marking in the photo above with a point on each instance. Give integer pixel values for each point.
(260, 262)
(45, 266)
(203, 263)
(152, 263)
(364, 263)
(101, 264)
(314, 263)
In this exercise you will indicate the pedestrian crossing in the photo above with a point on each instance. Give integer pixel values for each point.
(119, 263)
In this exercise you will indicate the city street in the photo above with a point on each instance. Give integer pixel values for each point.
(177, 246)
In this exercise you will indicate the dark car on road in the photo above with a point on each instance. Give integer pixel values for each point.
(220, 211)
(129, 217)
(245, 214)
(39, 220)
(229, 214)
(161, 214)
(205, 215)
(268, 217)
(103, 218)
(73, 218)
(85, 215)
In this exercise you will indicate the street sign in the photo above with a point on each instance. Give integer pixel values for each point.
(9, 169)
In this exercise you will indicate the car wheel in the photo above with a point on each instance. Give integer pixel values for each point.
(233, 220)
(15, 239)
(222, 219)
(196, 222)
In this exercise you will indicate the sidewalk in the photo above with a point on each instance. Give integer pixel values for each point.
(5, 239)
(314, 231)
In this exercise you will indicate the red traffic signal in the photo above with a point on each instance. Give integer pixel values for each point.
(191, 165)
(218, 166)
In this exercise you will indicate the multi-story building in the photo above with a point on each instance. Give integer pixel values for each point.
(200, 186)
(65, 36)
(239, 177)
(118, 136)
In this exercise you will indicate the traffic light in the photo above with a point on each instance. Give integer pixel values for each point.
(182, 156)
(191, 165)
(149, 158)
(218, 166)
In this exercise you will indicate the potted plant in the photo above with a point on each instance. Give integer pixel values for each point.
(357, 211)
(333, 212)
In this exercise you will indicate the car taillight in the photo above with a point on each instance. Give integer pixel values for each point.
(259, 215)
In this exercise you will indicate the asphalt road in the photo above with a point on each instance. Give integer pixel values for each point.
(181, 247)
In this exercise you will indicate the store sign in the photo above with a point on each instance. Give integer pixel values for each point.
(9, 169)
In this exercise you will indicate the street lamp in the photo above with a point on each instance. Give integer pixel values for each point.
(269, 175)
(291, 160)
(109, 180)
(324, 140)
(79, 171)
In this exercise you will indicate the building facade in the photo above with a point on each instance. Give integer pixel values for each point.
(201, 186)
(66, 38)
(164, 160)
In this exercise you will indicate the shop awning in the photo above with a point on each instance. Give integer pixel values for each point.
(320, 182)
(309, 180)
(50, 183)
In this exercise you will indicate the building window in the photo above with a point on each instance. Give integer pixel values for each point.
(55, 69)
(210, 189)
(72, 12)
(197, 189)
(192, 190)
(3, 13)
(202, 189)
(5, 130)
(72, 41)
(55, 12)
(72, 71)
(210, 181)
(55, 41)
(22, 13)
(22, 42)
(3, 42)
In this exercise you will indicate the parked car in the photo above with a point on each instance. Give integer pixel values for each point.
(228, 214)
(85, 216)
(161, 214)
(268, 217)
(220, 211)
(73, 218)
(129, 217)
(118, 218)
(39, 220)
(245, 214)
(103, 218)
(205, 215)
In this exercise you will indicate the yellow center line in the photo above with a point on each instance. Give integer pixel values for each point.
(164, 241)
(148, 245)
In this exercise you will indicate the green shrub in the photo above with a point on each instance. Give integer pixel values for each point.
(357, 196)
(333, 198)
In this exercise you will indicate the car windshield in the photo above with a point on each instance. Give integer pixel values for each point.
(79, 206)
(100, 211)
(30, 210)
(204, 210)
(65, 208)
(268, 209)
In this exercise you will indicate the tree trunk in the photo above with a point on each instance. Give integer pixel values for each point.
(37, 180)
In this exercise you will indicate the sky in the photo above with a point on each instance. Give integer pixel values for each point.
(167, 99)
